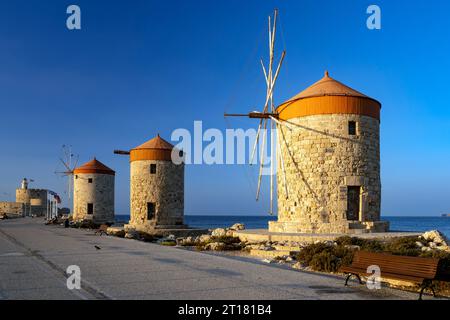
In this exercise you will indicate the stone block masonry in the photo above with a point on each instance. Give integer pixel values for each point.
(35, 200)
(97, 190)
(164, 188)
(12, 208)
(321, 161)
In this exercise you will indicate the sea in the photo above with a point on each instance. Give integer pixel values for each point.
(419, 224)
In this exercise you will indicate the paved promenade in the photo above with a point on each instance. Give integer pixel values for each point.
(34, 258)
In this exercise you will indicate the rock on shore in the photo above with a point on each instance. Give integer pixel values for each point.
(116, 232)
(435, 240)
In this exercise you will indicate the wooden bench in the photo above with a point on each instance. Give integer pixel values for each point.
(421, 271)
(102, 230)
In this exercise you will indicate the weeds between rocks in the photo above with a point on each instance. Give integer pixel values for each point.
(145, 237)
(363, 244)
(324, 257)
(227, 243)
(84, 225)
(168, 243)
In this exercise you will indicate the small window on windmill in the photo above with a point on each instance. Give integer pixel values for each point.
(181, 153)
(352, 128)
(76, 176)
(153, 168)
(90, 180)
(151, 208)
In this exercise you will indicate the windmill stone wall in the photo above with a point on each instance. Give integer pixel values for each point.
(93, 189)
(164, 188)
(156, 189)
(100, 192)
(320, 162)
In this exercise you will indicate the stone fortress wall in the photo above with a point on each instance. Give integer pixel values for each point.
(12, 208)
(100, 192)
(35, 200)
(322, 160)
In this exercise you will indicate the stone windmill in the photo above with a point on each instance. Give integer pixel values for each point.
(93, 196)
(328, 156)
(156, 188)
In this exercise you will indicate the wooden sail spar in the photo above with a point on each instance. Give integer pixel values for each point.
(268, 118)
(70, 162)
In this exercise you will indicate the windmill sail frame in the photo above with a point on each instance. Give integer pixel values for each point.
(268, 118)
(70, 162)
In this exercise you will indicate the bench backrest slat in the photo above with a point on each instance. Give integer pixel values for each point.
(409, 266)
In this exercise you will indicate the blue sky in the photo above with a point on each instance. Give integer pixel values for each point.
(138, 68)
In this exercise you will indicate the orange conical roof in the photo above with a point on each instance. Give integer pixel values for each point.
(329, 96)
(328, 86)
(156, 143)
(154, 149)
(94, 166)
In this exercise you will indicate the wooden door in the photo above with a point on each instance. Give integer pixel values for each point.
(150, 210)
(353, 195)
(90, 208)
